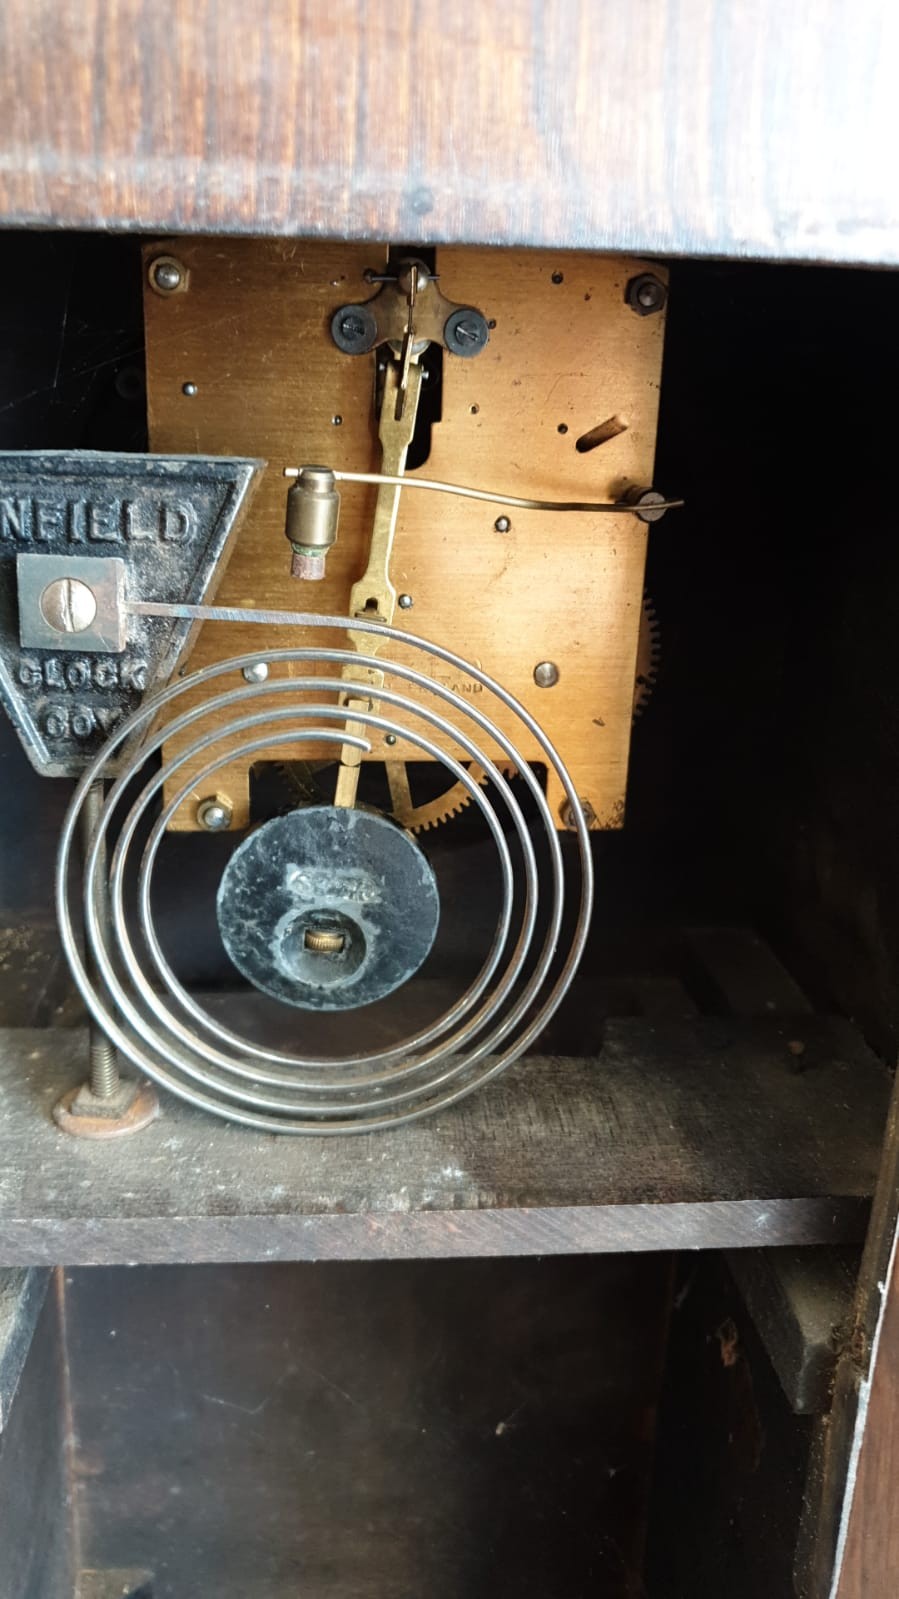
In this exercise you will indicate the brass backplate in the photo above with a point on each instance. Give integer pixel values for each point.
(242, 363)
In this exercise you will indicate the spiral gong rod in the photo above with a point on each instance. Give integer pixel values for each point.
(133, 993)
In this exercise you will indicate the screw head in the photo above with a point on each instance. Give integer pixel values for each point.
(189, 389)
(354, 329)
(68, 605)
(257, 672)
(546, 674)
(405, 602)
(167, 275)
(465, 332)
(390, 738)
(502, 524)
(214, 813)
(646, 294)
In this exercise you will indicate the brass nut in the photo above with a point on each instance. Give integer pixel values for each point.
(214, 813)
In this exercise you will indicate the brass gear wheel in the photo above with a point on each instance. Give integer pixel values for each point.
(420, 818)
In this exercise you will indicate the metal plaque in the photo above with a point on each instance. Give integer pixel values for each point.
(145, 527)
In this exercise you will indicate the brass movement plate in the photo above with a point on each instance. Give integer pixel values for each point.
(250, 339)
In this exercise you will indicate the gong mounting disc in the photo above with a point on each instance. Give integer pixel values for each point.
(328, 908)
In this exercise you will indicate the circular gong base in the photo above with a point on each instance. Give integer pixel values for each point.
(328, 908)
(132, 1107)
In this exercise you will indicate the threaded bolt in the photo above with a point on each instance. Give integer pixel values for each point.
(104, 1064)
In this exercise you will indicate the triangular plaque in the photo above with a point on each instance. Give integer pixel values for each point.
(169, 520)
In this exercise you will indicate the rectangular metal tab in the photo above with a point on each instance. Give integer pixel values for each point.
(72, 602)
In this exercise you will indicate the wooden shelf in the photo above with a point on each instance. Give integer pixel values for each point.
(696, 1134)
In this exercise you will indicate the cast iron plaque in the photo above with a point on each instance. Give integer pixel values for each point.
(169, 519)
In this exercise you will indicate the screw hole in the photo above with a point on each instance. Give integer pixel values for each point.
(558, 277)
(562, 428)
(474, 409)
(492, 322)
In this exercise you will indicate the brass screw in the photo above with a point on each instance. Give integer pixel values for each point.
(324, 940)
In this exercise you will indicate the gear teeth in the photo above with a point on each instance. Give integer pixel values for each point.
(420, 818)
(649, 648)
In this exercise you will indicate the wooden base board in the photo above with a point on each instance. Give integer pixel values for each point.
(699, 1134)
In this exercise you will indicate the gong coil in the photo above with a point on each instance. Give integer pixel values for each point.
(136, 997)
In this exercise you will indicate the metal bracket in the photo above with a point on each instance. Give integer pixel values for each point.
(71, 602)
(82, 535)
(384, 319)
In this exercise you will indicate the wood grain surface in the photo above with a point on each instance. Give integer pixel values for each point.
(373, 1429)
(726, 127)
(252, 335)
(700, 1134)
(870, 1568)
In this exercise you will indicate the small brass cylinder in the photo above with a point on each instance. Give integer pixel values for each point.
(313, 508)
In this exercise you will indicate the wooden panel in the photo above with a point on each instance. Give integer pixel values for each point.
(252, 334)
(372, 1431)
(698, 1134)
(37, 1548)
(750, 128)
(22, 1294)
(870, 1567)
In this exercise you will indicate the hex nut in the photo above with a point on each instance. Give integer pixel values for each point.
(646, 294)
(214, 813)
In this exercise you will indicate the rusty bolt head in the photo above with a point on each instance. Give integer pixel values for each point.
(646, 294)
